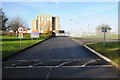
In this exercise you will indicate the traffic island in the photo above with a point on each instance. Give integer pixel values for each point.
(103, 57)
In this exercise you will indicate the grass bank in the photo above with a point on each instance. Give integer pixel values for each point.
(11, 44)
(111, 50)
(99, 36)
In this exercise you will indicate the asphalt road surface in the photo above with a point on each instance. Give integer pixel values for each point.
(58, 58)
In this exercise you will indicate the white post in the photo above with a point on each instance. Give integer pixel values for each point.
(20, 44)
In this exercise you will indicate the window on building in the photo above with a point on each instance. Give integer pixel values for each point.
(41, 18)
(47, 18)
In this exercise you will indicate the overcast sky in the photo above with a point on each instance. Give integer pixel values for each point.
(74, 16)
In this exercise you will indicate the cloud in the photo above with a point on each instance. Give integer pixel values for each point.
(56, 1)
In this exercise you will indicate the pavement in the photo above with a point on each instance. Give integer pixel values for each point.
(58, 58)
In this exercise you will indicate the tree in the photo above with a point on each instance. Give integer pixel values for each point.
(17, 22)
(99, 28)
(3, 20)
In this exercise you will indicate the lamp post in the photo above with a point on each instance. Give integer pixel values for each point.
(71, 25)
(88, 30)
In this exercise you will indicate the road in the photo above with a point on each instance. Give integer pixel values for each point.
(58, 58)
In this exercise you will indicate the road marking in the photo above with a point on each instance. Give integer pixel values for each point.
(21, 67)
(13, 64)
(77, 41)
(61, 66)
(89, 66)
(48, 74)
(35, 60)
(21, 60)
(38, 63)
(90, 62)
(30, 66)
(47, 66)
(7, 67)
(64, 63)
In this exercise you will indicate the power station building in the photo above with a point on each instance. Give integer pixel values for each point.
(46, 23)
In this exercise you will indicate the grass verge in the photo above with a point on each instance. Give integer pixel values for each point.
(11, 44)
(111, 50)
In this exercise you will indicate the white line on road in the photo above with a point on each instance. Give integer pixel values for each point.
(102, 66)
(37, 63)
(48, 74)
(77, 41)
(22, 60)
(21, 67)
(91, 61)
(89, 66)
(64, 63)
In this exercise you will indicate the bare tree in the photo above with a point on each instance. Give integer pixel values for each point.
(3, 20)
(17, 22)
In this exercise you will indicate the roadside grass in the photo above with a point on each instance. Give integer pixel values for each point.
(11, 44)
(99, 36)
(10, 47)
(111, 50)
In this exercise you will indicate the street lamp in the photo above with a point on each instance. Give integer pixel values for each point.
(88, 30)
(71, 24)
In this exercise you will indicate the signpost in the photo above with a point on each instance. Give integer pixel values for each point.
(20, 30)
(34, 34)
(104, 30)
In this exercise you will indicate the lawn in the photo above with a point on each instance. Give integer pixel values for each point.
(100, 36)
(11, 44)
(111, 50)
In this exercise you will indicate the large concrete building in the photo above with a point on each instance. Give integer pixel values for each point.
(46, 23)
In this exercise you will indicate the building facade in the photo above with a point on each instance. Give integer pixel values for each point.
(46, 23)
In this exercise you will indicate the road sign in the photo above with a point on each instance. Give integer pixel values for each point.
(20, 30)
(34, 34)
(104, 29)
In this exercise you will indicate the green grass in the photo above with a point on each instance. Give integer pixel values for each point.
(11, 44)
(111, 50)
(100, 36)
(10, 47)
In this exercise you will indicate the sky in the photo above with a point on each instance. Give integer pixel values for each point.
(74, 16)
